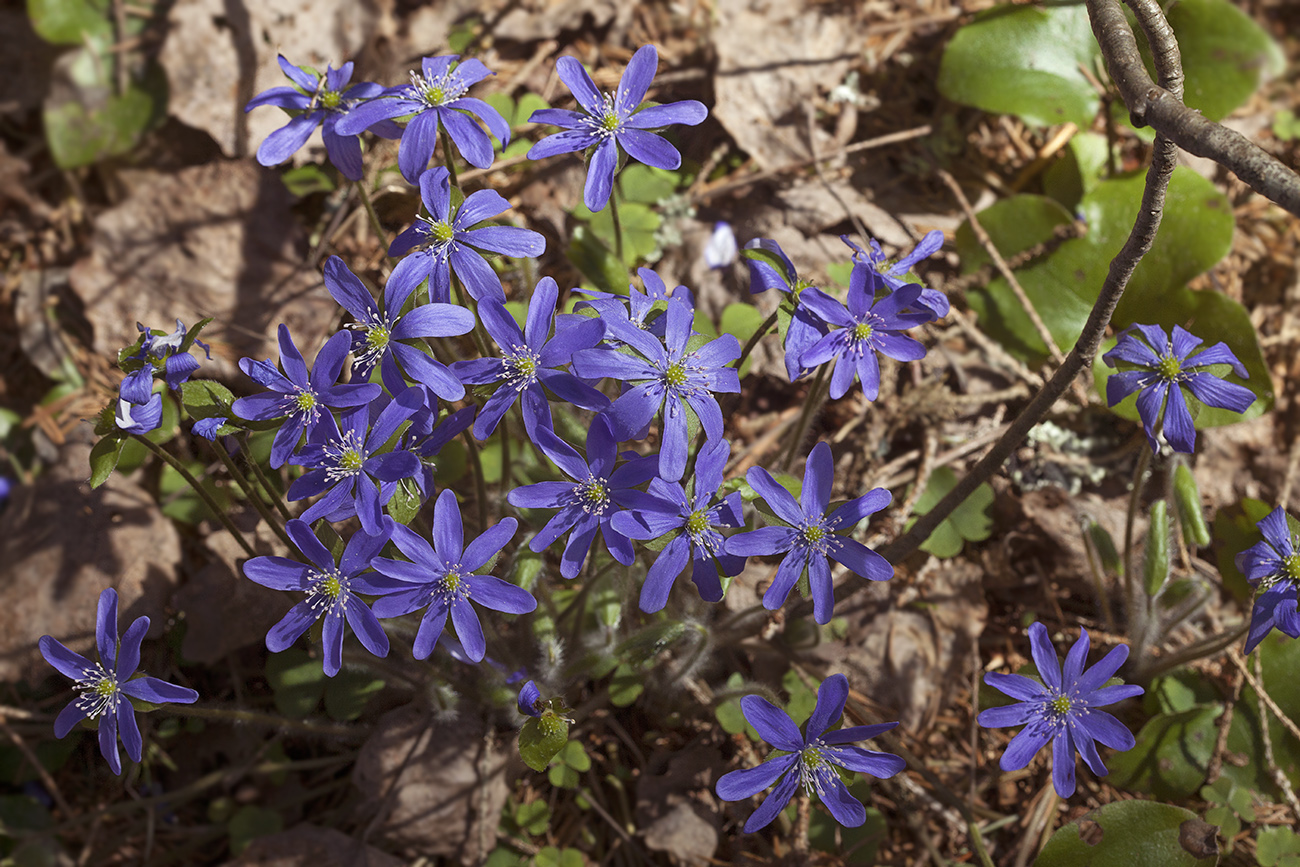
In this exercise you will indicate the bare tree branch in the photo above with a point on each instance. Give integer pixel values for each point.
(1160, 106)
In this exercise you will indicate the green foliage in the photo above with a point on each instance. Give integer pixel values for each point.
(104, 456)
(1191, 514)
(542, 738)
(571, 761)
(70, 22)
(1277, 847)
(348, 692)
(596, 260)
(729, 713)
(802, 698)
(854, 846)
(297, 681)
(1171, 756)
(1155, 557)
(1126, 832)
(533, 818)
(1077, 171)
(1286, 126)
(1024, 60)
(742, 321)
(21, 814)
(1280, 657)
(549, 856)
(307, 179)
(180, 502)
(968, 522)
(1235, 531)
(626, 685)
(250, 822)
(1233, 805)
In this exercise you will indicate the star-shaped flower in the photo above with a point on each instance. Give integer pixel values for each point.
(1273, 568)
(1152, 362)
(809, 758)
(530, 361)
(892, 273)
(331, 590)
(296, 396)
(771, 268)
(107, 686)
(448, 244)
(694, 518)
(612, 121)
(665, 378)
(320, 101)
(435, 96)
(377, 334)
(812, 538)
(1062, 708)
(441, 579)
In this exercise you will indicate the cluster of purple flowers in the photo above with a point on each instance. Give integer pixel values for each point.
(139, 408)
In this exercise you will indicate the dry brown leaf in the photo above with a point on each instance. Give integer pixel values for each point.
(214, 240)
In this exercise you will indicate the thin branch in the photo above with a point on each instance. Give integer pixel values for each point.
(1160, 107)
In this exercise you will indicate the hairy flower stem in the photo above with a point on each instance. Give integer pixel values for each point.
(977, 843)
(1203, 649)
(506, 476)
(479, 337)
(218, 512)
(380, 234)
(276, 499)
(618, 224)
(237, 716)
(447, 158)
(252, 494)
(480, 485)
(753, 340)
(803, 816)
(815, 398)
(1130, 518)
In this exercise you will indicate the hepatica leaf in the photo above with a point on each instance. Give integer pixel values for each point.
(1024, 60)
(1132, 832)
(969, 522)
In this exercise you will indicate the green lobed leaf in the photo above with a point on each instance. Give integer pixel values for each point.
(1280, 657)
(741, 320)
(1273, 845)
(1128, 832)
(542, 738)
(250, 822)
(1171, 756)
(533, 818)
(802, 698)
(590, 255)
(626, 685)
(89, 121)
(968, 522)
(1235, 530)
(348, 692)
(1024, 60)
(70, 22)
(1077, 171)
(206, 398)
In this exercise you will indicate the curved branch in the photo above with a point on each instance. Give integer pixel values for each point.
(1161, 108)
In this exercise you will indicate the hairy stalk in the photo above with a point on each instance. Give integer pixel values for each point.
(812, 403)
(480, 484)
(753, 340)
(370, 212)
(446, 157)
(218, 512)
(276, 499)
(478, 334)
(506, 474)
(1203, 649)
(618, 224)
(251, 493)
(1130, 518)
(238, 716)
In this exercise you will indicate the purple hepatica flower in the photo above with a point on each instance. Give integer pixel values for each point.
(529, 360)
(612, 120)
(346, 468)
(694, 519)
(809, 758)
(138, 409)
(435, 98)
(441, 579)
(208, 428)
(634, 307)
(1161, 362)
(587, 503)
(377, 335)
(167, 348)
(812, 536)
(1273, 568)
(331, 591)
(425, 439)
(666, 376)
(530, 700)
(893, 273)
(1062, 708)
(448, 243)
(771, 268)
(324, 101)
(107, 686)
(866, 327)
(297, 397)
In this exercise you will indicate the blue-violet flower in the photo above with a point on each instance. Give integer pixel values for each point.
(1273, 569)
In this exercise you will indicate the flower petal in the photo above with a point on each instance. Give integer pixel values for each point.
(772, 724)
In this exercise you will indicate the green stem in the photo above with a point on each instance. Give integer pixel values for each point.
(446, 157)
(816, 394)
(216, 510)
(251, 492)
(506, 481)
(1134, 500)
(480, 486)
(370, 212)
(618, 224)
(753, 340)
(480, 338)
(263, 479)
(977, 843)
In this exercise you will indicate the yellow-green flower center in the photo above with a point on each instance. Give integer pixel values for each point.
(330, 587)
(442, 232)
(1060, 706)
(351, 460)
(1291, 568)
(434, 94)
(675, 375)
(609, 122)
(863, 331)
(593, 495)
(376, 338)
(812, 758)
(814, 534)
(697, 522)
(106, 687)
(305, 401)
(331, 99)
(1169, 367)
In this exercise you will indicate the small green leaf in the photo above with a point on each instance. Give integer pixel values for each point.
(626, 685)
(70, 22)
(1171, 755)
(741, 320)
(297, 680)
(1191, 514)
(649, 642)
(347, 693)
(1104, 544)
(206, 398)
(1235, 530)
(91, 121)
(307, 179)
(590, 255)
(1129, 832)
(542, 738)
(103, 458)
(1274, 844)
(1286, 126)
(1024, 60)
(802, 698)
(1155, 557)
(533, 818)
(969, 522)
(646, 185)
(639, 224)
